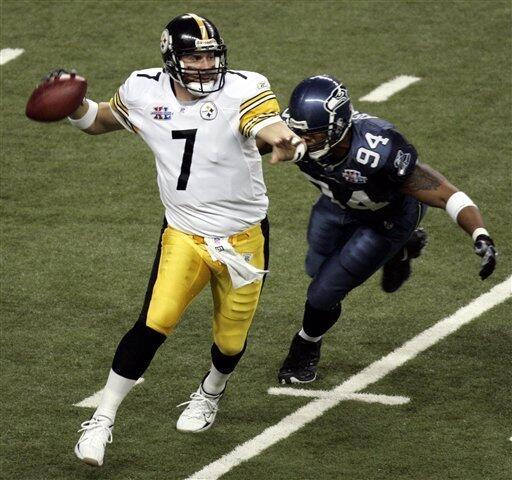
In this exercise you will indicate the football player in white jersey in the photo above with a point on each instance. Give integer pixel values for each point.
(201, 121)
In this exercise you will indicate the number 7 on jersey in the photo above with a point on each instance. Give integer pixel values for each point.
(190, 137)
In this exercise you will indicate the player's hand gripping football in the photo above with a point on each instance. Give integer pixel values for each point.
(58, 95)
(288, 148)
(484, 247)
(58, 72)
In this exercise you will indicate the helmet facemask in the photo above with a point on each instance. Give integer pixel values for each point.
(335, 131)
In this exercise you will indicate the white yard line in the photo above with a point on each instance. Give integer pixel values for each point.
(371, 374)
(360, 397)
(8, 54)
(94, 400)
(386, 90)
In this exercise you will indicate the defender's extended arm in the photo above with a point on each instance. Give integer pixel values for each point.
(430, 187)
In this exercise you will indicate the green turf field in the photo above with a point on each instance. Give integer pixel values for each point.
(81, 216)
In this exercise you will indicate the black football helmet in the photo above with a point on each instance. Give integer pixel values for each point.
(186, 35)
(320, 104)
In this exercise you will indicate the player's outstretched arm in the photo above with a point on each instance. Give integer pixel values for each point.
(430, 187)
(262, 146)
(286, 145)
(94, 118)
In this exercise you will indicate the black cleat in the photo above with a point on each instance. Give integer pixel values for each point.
(398, 269)
(300, 364)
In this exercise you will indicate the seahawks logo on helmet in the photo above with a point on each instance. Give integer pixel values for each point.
(336, 99)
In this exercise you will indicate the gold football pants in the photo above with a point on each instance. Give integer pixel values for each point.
(182, 269)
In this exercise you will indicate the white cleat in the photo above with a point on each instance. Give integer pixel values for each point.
(97, 432)
(200, 412)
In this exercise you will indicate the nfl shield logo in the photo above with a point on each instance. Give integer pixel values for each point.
(401, 162)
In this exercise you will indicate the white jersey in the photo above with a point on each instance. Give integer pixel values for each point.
(209, 169)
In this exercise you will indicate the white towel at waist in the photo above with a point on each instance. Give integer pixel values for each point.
(241, 272)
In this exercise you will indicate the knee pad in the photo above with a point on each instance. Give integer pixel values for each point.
(314, 261)
(325, 294)
(165, 318)
(365, 253)
(230, 344)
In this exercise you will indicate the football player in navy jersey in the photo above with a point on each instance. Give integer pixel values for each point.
(374, 193)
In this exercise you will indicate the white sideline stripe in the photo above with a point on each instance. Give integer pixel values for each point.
(94, 400)
(8, 54)
(361, 397)
(386, 90)
(371, 374)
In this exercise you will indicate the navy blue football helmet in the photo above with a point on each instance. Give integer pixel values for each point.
(320, 104)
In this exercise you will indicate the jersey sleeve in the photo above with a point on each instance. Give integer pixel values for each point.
(258, 107)
(123, 103)
(401, 160)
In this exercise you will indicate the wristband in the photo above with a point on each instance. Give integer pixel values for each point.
(88, 119)
(456, 203)
(479, 231)
(264, 123)
(300, 150)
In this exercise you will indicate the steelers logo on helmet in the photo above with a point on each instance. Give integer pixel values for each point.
(164, 41)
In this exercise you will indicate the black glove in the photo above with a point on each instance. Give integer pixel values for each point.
(484, 247)
(57, 73)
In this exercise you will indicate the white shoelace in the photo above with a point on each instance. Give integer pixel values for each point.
(197, 405)
(98, 428)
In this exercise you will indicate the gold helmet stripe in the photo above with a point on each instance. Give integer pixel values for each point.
(201, 25)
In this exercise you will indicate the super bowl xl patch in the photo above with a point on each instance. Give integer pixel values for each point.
(353, 176)
(161, 113)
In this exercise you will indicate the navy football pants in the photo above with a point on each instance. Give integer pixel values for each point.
(344, 251)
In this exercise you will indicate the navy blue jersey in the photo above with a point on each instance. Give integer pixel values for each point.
(368, 180)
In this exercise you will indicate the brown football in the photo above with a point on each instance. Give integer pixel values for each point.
(56, 98)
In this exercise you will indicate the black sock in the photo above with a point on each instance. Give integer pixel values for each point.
(317, 322)
(225, 363)
(136, 350)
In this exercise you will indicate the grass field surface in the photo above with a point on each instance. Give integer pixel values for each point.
(80, 219)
